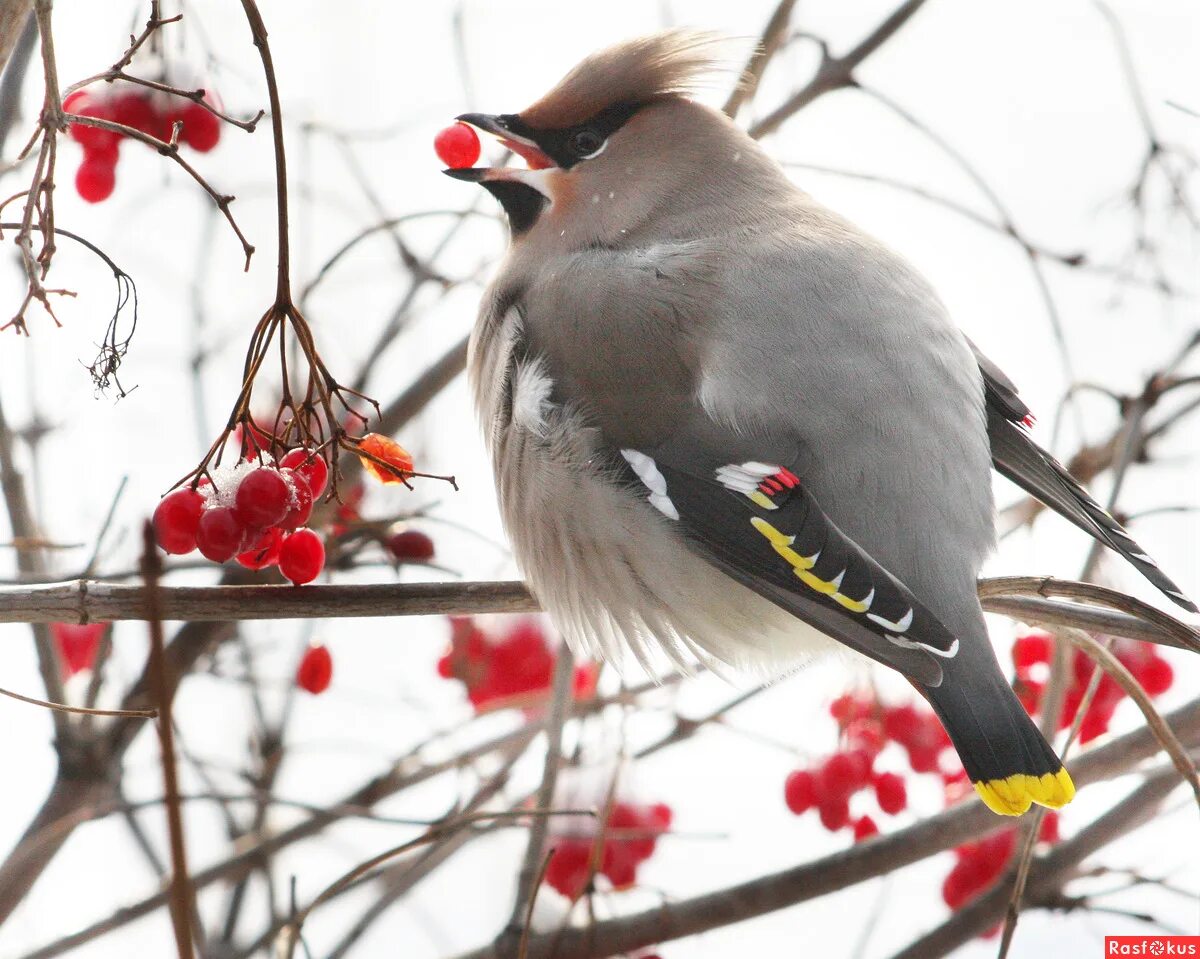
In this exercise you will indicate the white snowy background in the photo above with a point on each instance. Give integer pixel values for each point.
(1031, 94)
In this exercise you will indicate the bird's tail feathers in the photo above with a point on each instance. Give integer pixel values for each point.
(1005, 755)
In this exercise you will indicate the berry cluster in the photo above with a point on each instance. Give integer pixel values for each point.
(1031, 656)
(315, 672)
(77, 645)
(512, 669)
(150, 112)
(629, 839)
(256, 514)
(866, 726)
(977, 865)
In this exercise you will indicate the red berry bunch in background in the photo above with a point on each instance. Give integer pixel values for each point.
(514, 668)
(251, 512)
(1031, 656)
(866, 726)
(629, 838)
(151, 112)
(978, 865)
(315, 672)
(77, 645)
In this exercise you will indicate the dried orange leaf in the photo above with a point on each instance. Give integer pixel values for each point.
(389, 451)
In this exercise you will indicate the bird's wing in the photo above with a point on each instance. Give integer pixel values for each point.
(1018, 458)
(758, 523)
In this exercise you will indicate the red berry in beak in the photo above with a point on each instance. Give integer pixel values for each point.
(457, 146)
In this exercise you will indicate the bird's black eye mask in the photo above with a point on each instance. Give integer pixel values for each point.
(581, 142)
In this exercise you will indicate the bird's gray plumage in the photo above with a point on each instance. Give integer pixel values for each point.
(728, 425)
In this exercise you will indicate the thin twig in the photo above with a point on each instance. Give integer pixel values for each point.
(182, 896)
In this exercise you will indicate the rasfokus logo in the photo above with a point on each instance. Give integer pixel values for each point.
(1152, 946)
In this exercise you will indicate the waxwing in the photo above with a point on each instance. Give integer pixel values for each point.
(730, 428)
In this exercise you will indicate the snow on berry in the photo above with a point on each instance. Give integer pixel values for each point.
(263, 498)
(302, 557)
(315, 671)
(309, 464)
(457, 146)
(77, 645)
(300, 500)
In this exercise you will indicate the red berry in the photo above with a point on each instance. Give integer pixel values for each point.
(263, 551)
(77, 645)
(315, 670)
(201, 128)
(834, 812)
(92, 137)
(262, 498)
(619, 864)
(1030, 649)
(309, 464)
(567, 870)
(800, 791)
(660, 816)
(901, 723)
(96, 177)
(73, 101)
(841, 775)
(219, 534)
(923, 759)
(1156, 676)
(411, 545)
(300, 500)
(583, 685)
(851, 706)
(891, 793)
(864, 828)
(302, 556)
(457, 146)
(175, 520)
(134, 110)
(1049, 831)
(1029, 692)
(865, 734)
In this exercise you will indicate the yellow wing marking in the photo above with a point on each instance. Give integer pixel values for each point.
(782, 544)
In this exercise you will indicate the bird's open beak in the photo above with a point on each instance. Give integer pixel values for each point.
(498, 126)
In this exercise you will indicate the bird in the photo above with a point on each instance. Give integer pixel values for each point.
(727, 427)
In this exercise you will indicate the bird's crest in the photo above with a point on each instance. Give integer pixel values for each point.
(676, 61)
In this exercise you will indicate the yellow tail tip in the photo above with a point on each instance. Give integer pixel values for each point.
(1014, 794)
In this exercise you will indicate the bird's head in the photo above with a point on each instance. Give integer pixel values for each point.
(615, 141)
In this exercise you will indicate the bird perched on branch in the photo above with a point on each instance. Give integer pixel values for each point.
(728, 426)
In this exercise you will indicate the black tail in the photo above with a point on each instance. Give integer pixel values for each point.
(1009, 762)
(1018, 458)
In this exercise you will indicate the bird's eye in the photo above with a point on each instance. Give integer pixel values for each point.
(586, 143)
